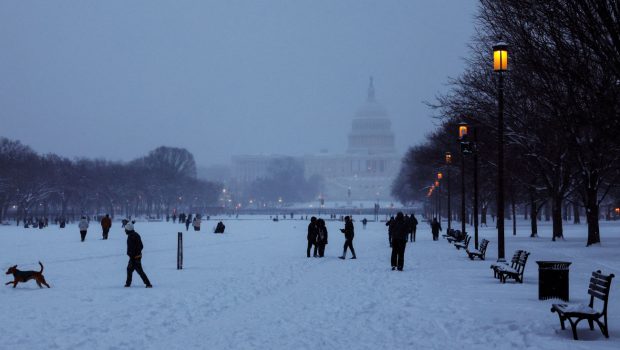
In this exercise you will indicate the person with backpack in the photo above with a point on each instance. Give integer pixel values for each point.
(321, 239)
(400, 231)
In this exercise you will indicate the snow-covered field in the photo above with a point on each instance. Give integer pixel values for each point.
(254, 288)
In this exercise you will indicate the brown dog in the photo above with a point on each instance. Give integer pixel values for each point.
(25, 276)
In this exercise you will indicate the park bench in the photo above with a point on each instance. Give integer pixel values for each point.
(574, 313)
(478, 252)
(457, 237)
(463, 244)
(516, 273)
(449, 233)
(513, 263)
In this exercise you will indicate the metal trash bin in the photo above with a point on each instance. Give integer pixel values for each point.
(553, 279)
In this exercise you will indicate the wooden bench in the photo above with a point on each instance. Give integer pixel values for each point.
(478, 253)
(464, 244)
(457, 237)
(516, 273)
(513, 263)
(574, 313)
(449, 233)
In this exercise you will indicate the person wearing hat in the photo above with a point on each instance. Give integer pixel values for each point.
(134, 251)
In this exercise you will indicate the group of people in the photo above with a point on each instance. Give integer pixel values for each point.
(318, 237)
(400, 229)
(106, 224)
(411, 223)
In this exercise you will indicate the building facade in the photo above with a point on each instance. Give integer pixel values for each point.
(364, 172)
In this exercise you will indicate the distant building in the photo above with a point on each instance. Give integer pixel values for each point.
(365, 172)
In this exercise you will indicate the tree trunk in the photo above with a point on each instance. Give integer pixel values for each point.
(592, 212)
(547, 213)
(533, 217)
(576, 219)
(514, 216)
(556, 213)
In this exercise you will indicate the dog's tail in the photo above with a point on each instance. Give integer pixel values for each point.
(41, 267)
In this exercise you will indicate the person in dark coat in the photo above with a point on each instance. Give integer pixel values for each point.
(321, 238)
(400, 231)
(349, 233)
(188, 221)
(364, 222)
(413, 226)
(106, 223)
(390, 225)
(134, 251)
(312, 233)
(220, 227)
(435, 228)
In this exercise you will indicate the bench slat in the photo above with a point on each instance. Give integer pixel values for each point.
(600, 282)
(599, 295)
(599, 288)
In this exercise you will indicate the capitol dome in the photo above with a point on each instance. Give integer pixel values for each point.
(371, 131)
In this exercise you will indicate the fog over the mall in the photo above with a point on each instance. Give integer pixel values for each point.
(116, 79)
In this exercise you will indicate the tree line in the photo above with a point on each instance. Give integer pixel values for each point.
(562, 113)
(156, 184)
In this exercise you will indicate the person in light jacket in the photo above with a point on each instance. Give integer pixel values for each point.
(197, 222)
(83, 226)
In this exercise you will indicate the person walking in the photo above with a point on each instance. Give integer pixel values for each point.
(364, 222)
(390, 225)
(321, 239)
(349, 233)
(106, 223)
(134, 251)
(188, 221)
(399, 241)
(413, 226)
(435, 228)
(83, 226)
(312, 234)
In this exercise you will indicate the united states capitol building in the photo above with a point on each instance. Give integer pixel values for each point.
(366, 169)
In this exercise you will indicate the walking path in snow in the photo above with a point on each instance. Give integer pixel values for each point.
(253, 288)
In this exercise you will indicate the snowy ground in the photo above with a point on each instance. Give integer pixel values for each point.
(253, 288)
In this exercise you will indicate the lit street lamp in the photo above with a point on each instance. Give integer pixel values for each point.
(500, 65)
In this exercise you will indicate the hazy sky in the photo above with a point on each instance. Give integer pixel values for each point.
(115, 79)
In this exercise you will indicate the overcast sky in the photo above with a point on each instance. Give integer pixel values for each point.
(115, 79)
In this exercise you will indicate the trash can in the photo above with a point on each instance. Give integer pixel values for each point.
(553, 280)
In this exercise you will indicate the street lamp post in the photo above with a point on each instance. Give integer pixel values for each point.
(448, 165)
(438, 198)
(500, 65)
(464, 146)
(475, 151)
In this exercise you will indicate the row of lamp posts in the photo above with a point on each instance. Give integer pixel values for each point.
(469, 146)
